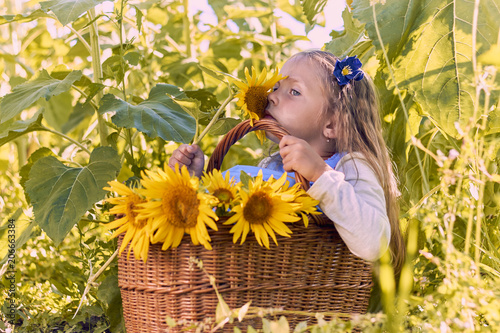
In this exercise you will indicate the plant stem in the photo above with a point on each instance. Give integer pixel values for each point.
(424, 178)
(186, 21)
(80, 37)
(215, 117)
(479, 217)
(92, 278)
(82, 147)
(97, 69)
(274, 44)
(85, 95)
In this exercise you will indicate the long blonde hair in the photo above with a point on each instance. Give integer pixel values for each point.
(355, 110)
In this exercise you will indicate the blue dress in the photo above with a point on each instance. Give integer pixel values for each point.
(275, 168)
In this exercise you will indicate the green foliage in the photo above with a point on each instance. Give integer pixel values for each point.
(68, 11)
(61, 195)
(158, 116)
(431, 52)
(28, 93)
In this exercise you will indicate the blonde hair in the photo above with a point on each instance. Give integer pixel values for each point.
(355, 110)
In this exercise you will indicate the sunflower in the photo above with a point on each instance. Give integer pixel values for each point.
(222, 188)
(176, 206)
(263, 210)
(138, 230)
(252, 95)
(308, 205)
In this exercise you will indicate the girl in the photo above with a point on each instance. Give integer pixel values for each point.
(330, 109)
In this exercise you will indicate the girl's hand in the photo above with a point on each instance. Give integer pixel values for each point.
(190, 156)
(299, 156)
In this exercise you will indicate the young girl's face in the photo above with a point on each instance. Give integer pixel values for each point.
(298, 101)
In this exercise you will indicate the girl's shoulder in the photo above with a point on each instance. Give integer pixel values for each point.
(357, 163)
(351, 159)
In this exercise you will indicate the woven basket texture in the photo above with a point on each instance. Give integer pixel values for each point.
(311, 271)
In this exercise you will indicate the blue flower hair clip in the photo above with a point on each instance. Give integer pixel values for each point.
(347, 70)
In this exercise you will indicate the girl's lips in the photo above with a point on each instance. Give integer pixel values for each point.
(268, 116)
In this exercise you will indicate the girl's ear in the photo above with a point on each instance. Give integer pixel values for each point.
(330, 129)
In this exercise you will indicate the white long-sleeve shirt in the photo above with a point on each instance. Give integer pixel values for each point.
(352, 197)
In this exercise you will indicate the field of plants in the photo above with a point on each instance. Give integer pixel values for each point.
(93, 91)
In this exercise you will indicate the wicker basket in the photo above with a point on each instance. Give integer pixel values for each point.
(312, 271)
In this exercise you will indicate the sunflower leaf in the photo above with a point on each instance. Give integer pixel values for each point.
(158, 116)
(429, 44)
(245, 178)
(69, 10)
(343, 42)
(11, 130)
(61, 195)
(24, 95)
(22, 18)
(223, 125)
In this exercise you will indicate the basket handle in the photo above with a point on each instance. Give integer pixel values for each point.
(240, 131)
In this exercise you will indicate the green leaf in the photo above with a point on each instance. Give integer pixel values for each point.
(23, 228)
(158, 116)
(25, 170)
(76, 118)
(429, 44)
(56, 111)
(292, 8)
(171, 322)
(109, 293)
(24, 95)
(61, 195)
(493, 124)
(312, 8)
(69, 10)
(11, 130)
(243, 311)
(491, 57)
(132, 58)
(190, 106)
(22, 18)
(280, 326)
(208, 100)
(301, 327)
(343, 42)
(223, 125)
(245, 12)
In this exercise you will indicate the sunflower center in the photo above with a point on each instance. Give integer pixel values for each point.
(132, 215)
(256, 100)
(224, 195)
(180, 205)
(346, 70)
(258, 208)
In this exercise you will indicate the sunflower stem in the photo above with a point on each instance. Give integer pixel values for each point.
(215, 117)
(92, 278)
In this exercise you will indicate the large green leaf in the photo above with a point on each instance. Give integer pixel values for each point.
(69, 10)
(22, 18)
(11, 130)
(24, 95)
(343, 42)
(430, 46)
(158, 116)
(24, 172)
(61, 195)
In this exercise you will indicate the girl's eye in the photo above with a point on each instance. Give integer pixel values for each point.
(275, 88)
(295, 92)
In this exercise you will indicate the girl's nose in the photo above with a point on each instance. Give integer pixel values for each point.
(272, 98)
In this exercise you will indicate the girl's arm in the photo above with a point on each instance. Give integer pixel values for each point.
(353, 199)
